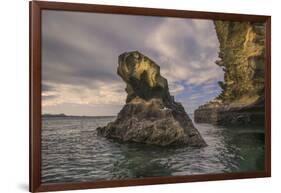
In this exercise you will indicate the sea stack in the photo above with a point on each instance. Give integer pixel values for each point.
(241, 101)
(150, 115)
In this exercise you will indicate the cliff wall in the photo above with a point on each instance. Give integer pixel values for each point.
(242, 60)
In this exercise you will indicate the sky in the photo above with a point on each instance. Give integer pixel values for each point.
(80, 56)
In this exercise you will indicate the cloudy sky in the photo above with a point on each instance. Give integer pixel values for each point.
(80, 53)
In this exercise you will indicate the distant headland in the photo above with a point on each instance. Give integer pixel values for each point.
(73, 116)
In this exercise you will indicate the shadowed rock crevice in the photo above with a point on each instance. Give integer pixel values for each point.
(150, 114)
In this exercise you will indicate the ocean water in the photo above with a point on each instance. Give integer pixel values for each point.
(72, 152)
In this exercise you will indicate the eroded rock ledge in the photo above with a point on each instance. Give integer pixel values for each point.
(150, 114)
(242, 60)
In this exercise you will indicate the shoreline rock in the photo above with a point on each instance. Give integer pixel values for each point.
(150, 115)
(252, 114)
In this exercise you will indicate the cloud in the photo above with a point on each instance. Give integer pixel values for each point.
(195, 95)
(187, 49)
(80, 52)
(73, 94)
(175, 88)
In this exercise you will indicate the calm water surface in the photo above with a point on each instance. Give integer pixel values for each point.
(72, 152)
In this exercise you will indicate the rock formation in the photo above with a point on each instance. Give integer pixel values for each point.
(150, 114)
(242, 60)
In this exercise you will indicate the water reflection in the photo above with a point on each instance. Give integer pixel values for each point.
(72, 152)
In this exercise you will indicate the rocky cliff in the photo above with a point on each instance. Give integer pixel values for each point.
(150, 114)
(242, 60)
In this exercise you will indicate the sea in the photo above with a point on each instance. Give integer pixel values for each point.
(72, 152)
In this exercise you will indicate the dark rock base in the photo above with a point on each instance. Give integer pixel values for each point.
(227, 115)
(151, 122)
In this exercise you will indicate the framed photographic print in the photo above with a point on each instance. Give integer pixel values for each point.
(123, 96)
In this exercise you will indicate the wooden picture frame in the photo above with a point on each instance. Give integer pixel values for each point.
(36, 8)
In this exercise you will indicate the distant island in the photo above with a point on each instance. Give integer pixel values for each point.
(78, 116)
(54, 115)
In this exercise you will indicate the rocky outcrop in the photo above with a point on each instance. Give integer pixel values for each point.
(150, 114)
(242, 60)
(227, 114)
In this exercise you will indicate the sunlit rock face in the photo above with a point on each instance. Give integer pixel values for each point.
(242, 60)
(150, 115)
(142, 77)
